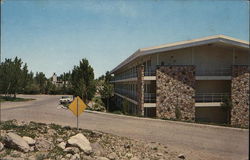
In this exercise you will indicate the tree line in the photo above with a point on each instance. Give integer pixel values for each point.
(15, 78)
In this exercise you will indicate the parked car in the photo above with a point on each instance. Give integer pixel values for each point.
(66, 100)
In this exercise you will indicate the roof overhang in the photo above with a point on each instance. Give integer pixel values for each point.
(184, 44)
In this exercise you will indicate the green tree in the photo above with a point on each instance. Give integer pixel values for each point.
(105, 88)
(12, 76)
(40, 79)
(24, 77)
(82, 80)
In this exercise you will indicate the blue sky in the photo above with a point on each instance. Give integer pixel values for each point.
(53, 35)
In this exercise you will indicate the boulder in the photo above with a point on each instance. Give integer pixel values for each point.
(13, 140)
(1, 146)
(62, 145)
(82, 142)
(29, 140)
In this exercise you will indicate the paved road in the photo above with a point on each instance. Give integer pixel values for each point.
(194, 140)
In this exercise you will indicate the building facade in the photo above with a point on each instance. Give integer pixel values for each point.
(204, 79)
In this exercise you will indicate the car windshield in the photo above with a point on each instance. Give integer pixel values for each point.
(65, 97)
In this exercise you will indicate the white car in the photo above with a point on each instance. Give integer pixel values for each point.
(66, 100)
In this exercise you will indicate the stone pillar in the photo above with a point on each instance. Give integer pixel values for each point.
(240, 95)
(175, 91)
(140, 90)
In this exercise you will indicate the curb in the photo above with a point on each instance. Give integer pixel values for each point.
(169, 121)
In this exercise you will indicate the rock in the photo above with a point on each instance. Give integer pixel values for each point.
(101, 158)
(129, 155)
(75, 157)
(43, 145)
(29, 140)
(13, 140)
(97, 133)
(134, 158)
(51, 132)
(62, 145)
(68, 155)
(112, 156)
(126, 145)
(1, 146)
(97, 149)
(159, 154)
(59, 140)
(181, 156)
(32, 148)
(82, 142)
(71, 150)
(85, 157)
(153, 146)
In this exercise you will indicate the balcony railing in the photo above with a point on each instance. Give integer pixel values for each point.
(149, 98)
(128, 93)
(226, 71)
(211, 97)
(150, 71)
(126, 76)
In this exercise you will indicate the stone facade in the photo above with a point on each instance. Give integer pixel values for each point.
(240, 96)
(175, 91)
(140, 90)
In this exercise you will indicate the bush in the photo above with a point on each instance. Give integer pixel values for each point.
(32, 89)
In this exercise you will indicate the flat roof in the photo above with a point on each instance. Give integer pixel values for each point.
(183, 44)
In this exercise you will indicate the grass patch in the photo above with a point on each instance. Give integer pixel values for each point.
(25, 130)
(13, 99)
(55, 152)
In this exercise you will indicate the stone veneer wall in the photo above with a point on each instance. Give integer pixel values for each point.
(240, 96)
(140, 90)
(175, 87)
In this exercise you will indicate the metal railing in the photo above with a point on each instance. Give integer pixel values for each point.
(225, 71)
(211, 97)
(149, 71)
(149, 98)
(126, 76)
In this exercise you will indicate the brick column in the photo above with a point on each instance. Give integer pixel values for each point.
(175, 92)
(140, 90)
(240, 95)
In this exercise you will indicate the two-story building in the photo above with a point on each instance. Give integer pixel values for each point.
(189, 80)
